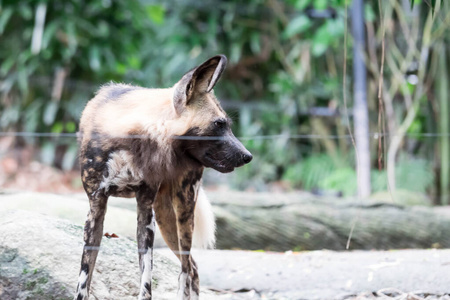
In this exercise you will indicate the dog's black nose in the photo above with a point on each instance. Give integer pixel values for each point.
(247, 158)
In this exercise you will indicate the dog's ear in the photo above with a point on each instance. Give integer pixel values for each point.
(201, 79)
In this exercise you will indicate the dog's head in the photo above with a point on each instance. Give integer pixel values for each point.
(208, 139)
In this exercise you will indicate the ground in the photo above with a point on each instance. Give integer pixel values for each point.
(290, 275)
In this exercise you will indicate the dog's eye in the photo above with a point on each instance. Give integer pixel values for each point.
(220, 123)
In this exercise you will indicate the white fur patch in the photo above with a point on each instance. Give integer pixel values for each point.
(204, 223)
(82, 280)
(148, 263)
(181, 285)
(147, 273)
(121, 171)
(194, 295)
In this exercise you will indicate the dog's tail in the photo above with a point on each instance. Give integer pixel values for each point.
(204, 223)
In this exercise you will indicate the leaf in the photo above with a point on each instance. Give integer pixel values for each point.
(25, 11)
(5, 15)
(6, 66)
(320, 4)
(296, 26)
(302, 4)
(57, 127)
(255, 44)
(50, 113)
(321, 41)
(94, 58)
(70, 157)
(48, 153)
(156, 13)
(433, 6)
(369, 13)
(72, 39)
(49, 33)
(236, 52)
(102, 29)
(71, 127)
(134, 62)
(32, 115)
(22, 80)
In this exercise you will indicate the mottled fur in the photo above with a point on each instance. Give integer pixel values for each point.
(149, 144)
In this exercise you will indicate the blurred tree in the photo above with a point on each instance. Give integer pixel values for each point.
(360, 109)
(55, 48)
(286, 66)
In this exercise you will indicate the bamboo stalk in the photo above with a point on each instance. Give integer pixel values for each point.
(444, 127)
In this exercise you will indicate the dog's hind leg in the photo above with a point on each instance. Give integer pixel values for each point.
(93, 232)
(166, 219)
(183, 201)
(145, 197)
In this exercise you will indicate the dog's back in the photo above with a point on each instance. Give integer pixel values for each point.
(119, 110)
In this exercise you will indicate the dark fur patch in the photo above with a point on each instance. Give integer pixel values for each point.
(185, 216)
(183, 147)
(148, 287)
(180, 196)
(150, 239)
(85, 268)
(192, 178)
(146, 155)
(195, 281)
(145, 196)
(115, 91)
(93, 157)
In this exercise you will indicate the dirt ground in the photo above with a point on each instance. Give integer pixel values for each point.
(400, 274)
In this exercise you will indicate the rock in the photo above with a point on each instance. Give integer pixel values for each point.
(74, 207)
(40, 257)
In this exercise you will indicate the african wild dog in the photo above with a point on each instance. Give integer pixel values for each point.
(154, 144)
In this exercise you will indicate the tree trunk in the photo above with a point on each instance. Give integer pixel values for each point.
(304, 222)
(360, 110)
(444, 128)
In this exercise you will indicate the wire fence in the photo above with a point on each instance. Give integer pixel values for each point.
(374, 135)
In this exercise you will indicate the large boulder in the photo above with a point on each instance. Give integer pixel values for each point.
(120, 217)
(40, 257)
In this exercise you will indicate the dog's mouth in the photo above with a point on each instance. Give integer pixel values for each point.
(217, 165)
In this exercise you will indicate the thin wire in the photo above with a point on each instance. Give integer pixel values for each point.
(375, 135)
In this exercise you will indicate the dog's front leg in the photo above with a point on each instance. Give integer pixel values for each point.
(145, 196)
(184, 204)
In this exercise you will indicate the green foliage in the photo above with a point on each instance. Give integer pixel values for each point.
(279, 56)
(311, 171)
(430, 3)
(342, 180)
(412, 174)
(90, 41)
(320, 171)
(297, 25)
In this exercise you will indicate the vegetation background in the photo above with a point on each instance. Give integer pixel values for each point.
(284, 85)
